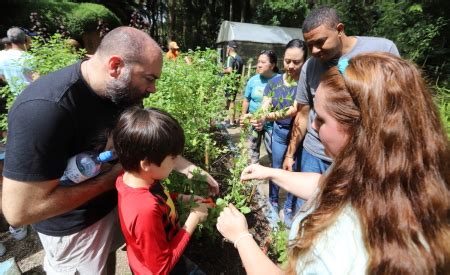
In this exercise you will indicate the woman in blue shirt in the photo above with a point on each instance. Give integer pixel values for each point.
(266, 69)
(279, 95)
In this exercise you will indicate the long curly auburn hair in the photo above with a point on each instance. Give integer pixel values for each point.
(394, 170)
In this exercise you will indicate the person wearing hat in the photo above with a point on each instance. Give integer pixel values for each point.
(174, 51)
(234, 64)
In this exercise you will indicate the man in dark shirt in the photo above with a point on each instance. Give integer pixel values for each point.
(234, 64)
(58, 116)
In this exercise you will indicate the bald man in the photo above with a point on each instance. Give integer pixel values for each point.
(58, 116)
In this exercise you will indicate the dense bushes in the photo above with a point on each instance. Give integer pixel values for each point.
(77, 18)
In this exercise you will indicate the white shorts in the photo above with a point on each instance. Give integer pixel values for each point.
(84, 252)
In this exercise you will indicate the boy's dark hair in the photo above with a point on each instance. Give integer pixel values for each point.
(146, 134)
(321, 16)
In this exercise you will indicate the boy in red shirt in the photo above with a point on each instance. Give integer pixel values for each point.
(149, 143)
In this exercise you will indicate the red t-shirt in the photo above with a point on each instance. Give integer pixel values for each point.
(149, 222)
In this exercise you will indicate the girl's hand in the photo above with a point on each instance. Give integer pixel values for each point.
(231, 223)
(255, 172)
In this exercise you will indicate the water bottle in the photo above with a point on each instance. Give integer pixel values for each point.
(84, 166)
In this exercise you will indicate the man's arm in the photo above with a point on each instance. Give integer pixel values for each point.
(298, 133)
(31, 202)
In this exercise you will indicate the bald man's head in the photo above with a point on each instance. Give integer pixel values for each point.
(127, 42)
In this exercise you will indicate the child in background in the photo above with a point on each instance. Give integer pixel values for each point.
(149, 143)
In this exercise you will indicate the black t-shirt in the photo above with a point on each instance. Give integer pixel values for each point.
(237, 64)
(54, 118)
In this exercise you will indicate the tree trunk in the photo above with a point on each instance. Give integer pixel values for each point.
(231, 10)
(171, 19)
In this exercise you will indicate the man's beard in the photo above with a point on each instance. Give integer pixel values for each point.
(121, 92)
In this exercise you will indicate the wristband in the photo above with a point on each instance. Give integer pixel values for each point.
(289, 157)
(241, 237)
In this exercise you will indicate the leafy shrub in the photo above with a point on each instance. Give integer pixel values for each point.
(76, 17)
(442, 99)
(194, 95)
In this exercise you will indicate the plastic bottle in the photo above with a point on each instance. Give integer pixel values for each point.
(84, 166)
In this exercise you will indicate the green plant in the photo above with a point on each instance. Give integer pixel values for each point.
(442, 99)
(279, 243)
(193, 94)
(77, 18)
(52, 55)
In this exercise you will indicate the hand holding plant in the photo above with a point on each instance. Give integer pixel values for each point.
(232, 223)
(200, 212)
(244, 120)
(255, 172)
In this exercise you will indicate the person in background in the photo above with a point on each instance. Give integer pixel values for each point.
(233, 64)
(279, 95)
(324, 35)
(173, 51)
(6, 45)
(382, 207)
(266, 69)
(148, 143)
(13, 62)
(60, 115)
(17, 74)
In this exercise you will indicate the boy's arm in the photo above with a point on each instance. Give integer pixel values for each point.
(186, 167)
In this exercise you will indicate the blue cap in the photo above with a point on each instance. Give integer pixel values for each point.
(107, 156)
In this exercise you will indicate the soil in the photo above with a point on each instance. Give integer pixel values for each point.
(214, 256)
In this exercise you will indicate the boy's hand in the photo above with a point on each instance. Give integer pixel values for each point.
(200, 212)
(209, 202)
(213, 184)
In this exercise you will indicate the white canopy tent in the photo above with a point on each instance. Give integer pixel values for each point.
(235, 31)
(253, 38)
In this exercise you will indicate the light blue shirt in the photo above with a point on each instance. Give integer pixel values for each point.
(15, 70)
(338, 250)
(254, 91)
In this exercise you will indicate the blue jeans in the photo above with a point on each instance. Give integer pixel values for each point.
(311, 163)
(255, 140)
(280, 142)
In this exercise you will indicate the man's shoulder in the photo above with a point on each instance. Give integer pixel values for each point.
(55, 82)
(313, 68)
(371, 43)
(376, 40)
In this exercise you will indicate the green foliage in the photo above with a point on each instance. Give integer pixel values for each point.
(279, 243)
(442, 100)
(76, 17)
(54, 54)
(84, 17)
(411, 29)
(281, 12)
(193, 94)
